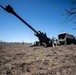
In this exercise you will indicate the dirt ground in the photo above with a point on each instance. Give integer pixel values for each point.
(19, 59)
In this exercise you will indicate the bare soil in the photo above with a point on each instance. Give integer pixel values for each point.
(21, 59)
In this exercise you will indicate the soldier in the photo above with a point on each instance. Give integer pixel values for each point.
(53, 44)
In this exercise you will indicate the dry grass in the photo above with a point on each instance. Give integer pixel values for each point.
(18, 59)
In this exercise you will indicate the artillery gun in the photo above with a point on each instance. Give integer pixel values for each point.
(43, 39)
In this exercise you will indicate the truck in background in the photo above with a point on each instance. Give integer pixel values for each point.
(66, 39)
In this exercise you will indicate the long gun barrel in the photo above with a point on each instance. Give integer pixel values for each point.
(42, 37)
(10, 10)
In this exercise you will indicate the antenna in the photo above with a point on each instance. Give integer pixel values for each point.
(30, 36)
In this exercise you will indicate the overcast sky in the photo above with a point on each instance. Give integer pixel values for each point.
(43, 15)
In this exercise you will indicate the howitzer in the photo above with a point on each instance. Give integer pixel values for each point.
(43, 39)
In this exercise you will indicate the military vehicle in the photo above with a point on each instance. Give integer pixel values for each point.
(43, 39)
(66, 39)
